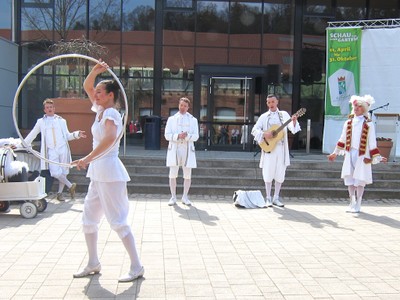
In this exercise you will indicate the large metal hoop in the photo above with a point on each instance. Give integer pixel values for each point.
(59, 57)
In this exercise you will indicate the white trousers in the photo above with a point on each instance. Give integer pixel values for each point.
(350, 180)
(109, 199)
(59, 154)
(181, 155)
(274, 164)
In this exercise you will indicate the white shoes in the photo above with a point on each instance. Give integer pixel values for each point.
(357, 207)
(131, 276)
(172, 201)
(268, 202)
(186, 201)
(88, 270)
(352, 205)
(96, 269)
(278, 203)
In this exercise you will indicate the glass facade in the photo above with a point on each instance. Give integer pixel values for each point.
(225, 55)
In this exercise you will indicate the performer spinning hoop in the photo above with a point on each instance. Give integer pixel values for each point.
(34, 69)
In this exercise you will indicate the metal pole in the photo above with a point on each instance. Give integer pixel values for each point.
(308, 135)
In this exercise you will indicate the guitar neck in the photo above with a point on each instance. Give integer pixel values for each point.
(282, 126)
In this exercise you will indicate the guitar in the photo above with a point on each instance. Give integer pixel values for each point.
(277, 133)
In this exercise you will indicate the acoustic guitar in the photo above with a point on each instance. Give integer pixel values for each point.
(277, 133)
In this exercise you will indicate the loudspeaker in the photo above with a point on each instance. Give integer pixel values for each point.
(273, 74)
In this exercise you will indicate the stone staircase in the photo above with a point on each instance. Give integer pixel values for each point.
(304, 178)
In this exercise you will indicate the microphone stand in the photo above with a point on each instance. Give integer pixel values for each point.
(382, 106)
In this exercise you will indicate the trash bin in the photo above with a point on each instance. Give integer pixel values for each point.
(152, 130)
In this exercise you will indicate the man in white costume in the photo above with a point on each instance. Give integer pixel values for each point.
(358, 145)
(54, 145)
(181, 131)
(275, 162)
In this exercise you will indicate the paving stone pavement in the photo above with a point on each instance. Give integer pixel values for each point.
(310, 249)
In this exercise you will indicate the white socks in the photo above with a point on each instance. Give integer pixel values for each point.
(91, 243)
(186, 186)
(129, 243)
(277, 190)
(63, 181)
(268, 186)
(172, 186)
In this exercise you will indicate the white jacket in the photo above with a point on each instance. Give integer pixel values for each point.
(262, 125)
(171, 135)
(40, 127)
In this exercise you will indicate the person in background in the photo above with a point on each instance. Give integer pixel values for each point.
(181, 131)
(275, 162)
(235, 136)
(136, 127)
(107, 193)
(358, 145)
(54, 146)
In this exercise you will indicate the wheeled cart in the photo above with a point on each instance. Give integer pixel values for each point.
(29, 194)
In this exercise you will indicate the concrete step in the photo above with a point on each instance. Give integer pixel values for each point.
(227, 190)
(308, 179)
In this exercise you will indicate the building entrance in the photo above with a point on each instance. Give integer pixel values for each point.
(224, 115)
(227, 101)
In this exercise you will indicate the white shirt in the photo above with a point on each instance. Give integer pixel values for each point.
(356, 131)
(183, 123)
(53, 136)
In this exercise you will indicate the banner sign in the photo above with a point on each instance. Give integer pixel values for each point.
(343, 69)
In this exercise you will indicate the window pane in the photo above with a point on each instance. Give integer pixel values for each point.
(5, 20)
(33, 54)
(315, 25)
(138, 22)
(179, 28)
(175, 58)
(67, 20)
(284, 59)
(138, 16)
(139, 91)
(383, 9)
(245, 24)
(350, 10)
(211, 55)
(212, 23)
(137, 56)
(36, 24)
(36, 89)
(113, 58)
(319, 7)
(278, 17)
(105, 21)
(244, 56)
(75, 14)
(179, 3)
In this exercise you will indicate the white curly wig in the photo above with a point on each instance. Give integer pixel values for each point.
(366, 102)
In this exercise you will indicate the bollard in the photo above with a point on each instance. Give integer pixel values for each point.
(308, 135)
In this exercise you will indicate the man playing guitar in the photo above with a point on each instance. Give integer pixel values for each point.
(275, 155)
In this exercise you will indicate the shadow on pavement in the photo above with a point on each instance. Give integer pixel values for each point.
(94, 290)
(196, 214)
(379, 219)
(293, 215)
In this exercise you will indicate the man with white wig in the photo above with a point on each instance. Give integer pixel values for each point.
(358, 145)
